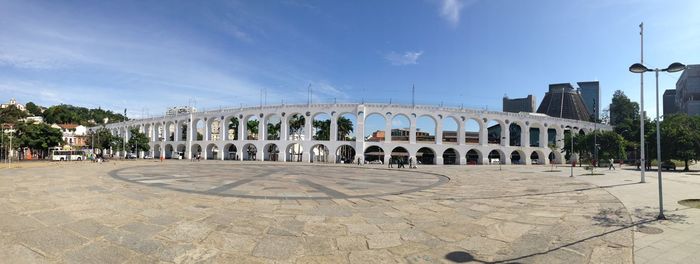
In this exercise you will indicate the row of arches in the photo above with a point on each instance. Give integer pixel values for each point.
(295, 152)
(320, 127)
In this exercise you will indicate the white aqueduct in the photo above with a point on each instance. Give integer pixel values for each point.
(287, 133)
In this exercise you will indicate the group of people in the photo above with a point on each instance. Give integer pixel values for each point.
(400, 163)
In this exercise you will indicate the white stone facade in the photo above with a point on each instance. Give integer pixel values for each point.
(167, 139)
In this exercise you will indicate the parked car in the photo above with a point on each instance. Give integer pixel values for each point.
(668, 165)
(131, 156)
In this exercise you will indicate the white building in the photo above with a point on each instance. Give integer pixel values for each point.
(13, 102)
(74, 136)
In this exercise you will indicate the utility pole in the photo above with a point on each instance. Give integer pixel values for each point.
(413, 96)
(642, 113)
(124, 139)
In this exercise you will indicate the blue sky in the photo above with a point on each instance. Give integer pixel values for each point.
(149, 55)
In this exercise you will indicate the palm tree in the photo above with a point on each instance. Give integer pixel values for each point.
(323, 129)
(296, 125)
(252, 126)
(273, 131)
(233, 128)
(345, 127)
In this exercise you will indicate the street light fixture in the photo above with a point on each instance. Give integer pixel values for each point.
(640, 68)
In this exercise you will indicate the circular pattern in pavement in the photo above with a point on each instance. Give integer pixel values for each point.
(266, 181)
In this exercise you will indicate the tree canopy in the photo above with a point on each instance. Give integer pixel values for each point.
(68, 114)
(37, 136)
(137, 141)
(680, 138)
(11, 114)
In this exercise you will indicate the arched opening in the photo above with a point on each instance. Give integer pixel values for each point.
(214, 132)
(426, 129)
(296, 125)
(231, 152)
(535, 158)
(450, 157)
(252, 125)
(156, 151)
(250, 152)
(213, 152)
(183, 131)
(555, 157)
(450, 131)
(271, 152)
(198, 129)
(274, 126)
(321, 127)
(472, 130)
(168, 151)
(495, 134)
(515, 134)
(170, 131)
(196, 151)
(535, 136)
(346, 127)
(319, 153)
(425, 156)
(516, 158)
(400, 128)
(375, 124)
(294, 152)
(374, 155)
(399, 154)
(345, 154)
(473, 157)
(232, 128)
(180, 152)
(496, 157)
(552, 137)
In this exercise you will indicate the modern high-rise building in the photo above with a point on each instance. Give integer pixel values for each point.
(517, 105)
(688, 91)
(564, 101)
(670, 102)
(590, 92)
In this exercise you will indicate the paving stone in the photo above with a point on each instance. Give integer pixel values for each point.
(351, 243)
(145, 230)
(99, 252)
(278, 247)
(372, 256)
(187, 232)
(384, 240)
(231, 242)
(317, 246)
(50, 240)
(16, 223)
(88, 228)
(53, 218)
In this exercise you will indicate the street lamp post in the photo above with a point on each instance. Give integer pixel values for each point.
(640, 68)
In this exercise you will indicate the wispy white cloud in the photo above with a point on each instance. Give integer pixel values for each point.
(408, 57)
(450, 10)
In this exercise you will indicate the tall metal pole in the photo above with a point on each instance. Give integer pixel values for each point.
(595, 135)
(658, 152)
(641, 109)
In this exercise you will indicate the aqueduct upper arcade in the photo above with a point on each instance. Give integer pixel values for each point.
(337, 133)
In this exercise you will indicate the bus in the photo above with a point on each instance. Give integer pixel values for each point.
(67, 155)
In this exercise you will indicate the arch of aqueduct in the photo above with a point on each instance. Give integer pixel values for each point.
(177, 136)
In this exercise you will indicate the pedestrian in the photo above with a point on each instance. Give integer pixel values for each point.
(358, 161)
(410, 162)
(391, 161)
(612, 164)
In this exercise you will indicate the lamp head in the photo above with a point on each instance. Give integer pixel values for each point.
(638, 68)
(675, 67)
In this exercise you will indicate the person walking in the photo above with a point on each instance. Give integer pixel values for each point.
(612, 164)
(391, 161)
(410, 162)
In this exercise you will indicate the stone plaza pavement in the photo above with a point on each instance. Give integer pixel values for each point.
(675, 240)
(259, 212)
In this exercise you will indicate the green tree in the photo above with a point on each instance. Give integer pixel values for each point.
(252, 126)
(233, 128)
(11, 114)
(137, 141)
(323, 129)
(296, 125)
(68, 114)
(37, 137)
(273, 131)
(33, 109)
(345, 127)
(680, 138)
